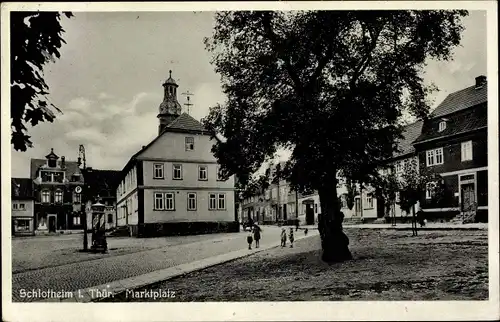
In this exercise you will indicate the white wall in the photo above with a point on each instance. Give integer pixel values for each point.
(202, 213)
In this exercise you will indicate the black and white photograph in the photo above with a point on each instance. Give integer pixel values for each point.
(249, 161)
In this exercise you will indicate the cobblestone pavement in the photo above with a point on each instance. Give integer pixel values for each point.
(88, 271)
(49, 251)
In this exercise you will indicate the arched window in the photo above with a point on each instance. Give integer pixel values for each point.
(45, 196)
(58, 196)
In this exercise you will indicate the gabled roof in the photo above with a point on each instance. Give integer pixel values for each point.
(410, 133)
(461, 100)
(71, 167)
(21, 188)
(185, 122)
(101, 182)
(182, 124)
(469, 120)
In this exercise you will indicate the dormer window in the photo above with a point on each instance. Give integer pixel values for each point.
(442, 126)
(52, 163)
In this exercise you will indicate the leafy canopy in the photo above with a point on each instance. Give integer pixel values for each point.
(35, 39)
(329, 85)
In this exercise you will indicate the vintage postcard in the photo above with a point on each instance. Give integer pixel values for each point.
(208, 161)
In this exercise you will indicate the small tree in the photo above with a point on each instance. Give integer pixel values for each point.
(413, 186)
(386, 187)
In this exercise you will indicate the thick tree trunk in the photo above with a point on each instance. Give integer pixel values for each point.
(334, 241)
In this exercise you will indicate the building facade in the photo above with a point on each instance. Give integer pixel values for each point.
(172, 185)
(58, 186)
(23, 204)
(454, 145)
(100, 185)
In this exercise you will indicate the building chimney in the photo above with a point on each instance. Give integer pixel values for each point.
(480, 81)
(79, 162)
(63, 162)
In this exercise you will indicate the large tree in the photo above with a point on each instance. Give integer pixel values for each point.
(330, 86)
(35, 39)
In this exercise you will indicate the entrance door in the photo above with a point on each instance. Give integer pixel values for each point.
(309, 214)
(357, 207)
(284, 213)
(52, 223)
(468, 197)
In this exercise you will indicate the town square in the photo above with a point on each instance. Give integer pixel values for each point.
(251, 156)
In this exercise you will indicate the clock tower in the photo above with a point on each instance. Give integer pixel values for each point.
(170, 108)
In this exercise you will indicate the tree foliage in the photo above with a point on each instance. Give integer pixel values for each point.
(329, 85)
(35, 39)
(413, 186)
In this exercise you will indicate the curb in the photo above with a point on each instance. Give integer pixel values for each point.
(96, 293)
(418, 229)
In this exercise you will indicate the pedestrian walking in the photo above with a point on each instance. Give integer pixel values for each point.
(283, 237)
(306, 231)
(290, 237)
(250, 241)
(297, 225)
(256, 235)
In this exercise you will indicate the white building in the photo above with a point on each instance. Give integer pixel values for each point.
(172, 185)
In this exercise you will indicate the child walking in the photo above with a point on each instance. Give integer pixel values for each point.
(256, 235)
(290, 237)
(249, 240)
(283, 237)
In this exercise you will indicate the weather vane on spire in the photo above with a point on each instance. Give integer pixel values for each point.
(188, 104)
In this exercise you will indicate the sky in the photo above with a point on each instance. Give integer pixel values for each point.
(108, 81)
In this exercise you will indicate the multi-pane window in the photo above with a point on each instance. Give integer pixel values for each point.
(52, 176)
(58, 196)
(177, 172)
(77, 198)
(442, 126)
(191, 201)
(169, 201)
(19, 206)
(76, 220)
(159, 203)
(369, 202)
(212, 202)
(189, 143)
(110, 218)
(45, 196)
(221, 201)
(467, 151)
(435, 157)
(158, 171)
(202, 172)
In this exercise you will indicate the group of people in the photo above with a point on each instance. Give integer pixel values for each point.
(290, 237)
(255, 235)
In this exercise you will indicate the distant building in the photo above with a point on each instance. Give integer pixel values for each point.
(172, 185)
(23, 203)
(454, 144)
(58, 185)
(100, 185)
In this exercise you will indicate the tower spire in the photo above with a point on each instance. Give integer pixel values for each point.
(170, 108)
